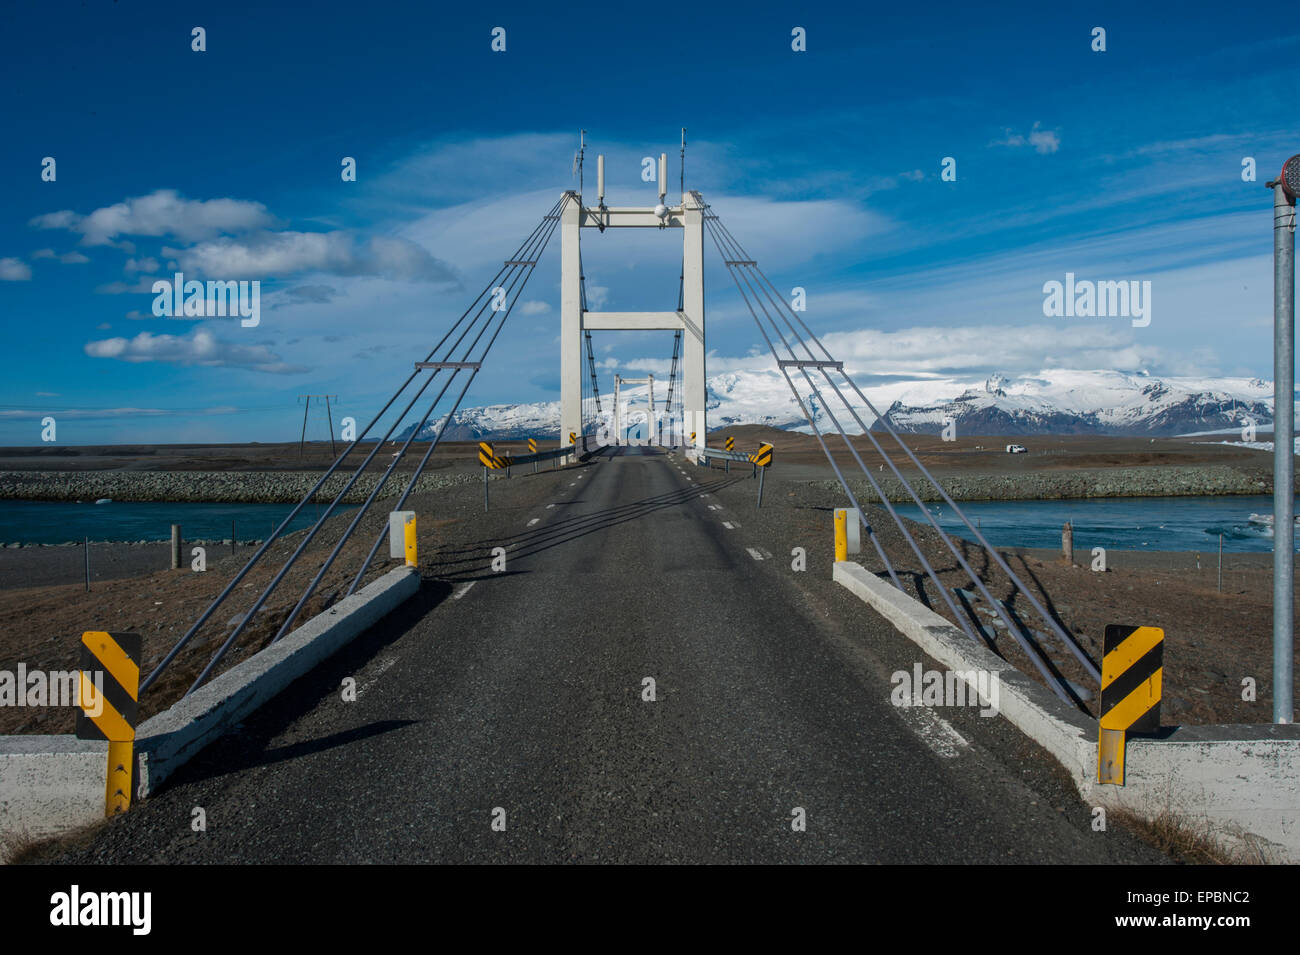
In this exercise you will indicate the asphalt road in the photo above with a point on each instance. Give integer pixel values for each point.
(518, 696)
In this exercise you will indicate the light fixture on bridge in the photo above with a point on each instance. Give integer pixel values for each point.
(661, 210)
(1290, 177)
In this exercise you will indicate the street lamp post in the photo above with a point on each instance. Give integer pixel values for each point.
(1285, 190)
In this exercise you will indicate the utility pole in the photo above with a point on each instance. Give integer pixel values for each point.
(1285, 190)
(329, 417)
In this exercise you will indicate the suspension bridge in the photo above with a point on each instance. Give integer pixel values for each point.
(618, 660)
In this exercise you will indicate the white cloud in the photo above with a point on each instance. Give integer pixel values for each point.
(14, 270)
(333, 253)
(1044, 141)
(95, 413)
(68, 258)
(535, 308)
(199, 347)
(140, 286)
(164, 212)
(147, 264)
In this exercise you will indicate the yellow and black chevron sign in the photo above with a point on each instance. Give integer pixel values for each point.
(1132, 674)
(692, 437)
(731, 444)
(763, 456)
(532, 446)
(489, 459)
(109, 686)
(573, 437)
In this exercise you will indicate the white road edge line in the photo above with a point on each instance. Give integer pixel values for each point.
(728, 525)
(754, 554)
(463, 590)
(533, 521)
(936, 732)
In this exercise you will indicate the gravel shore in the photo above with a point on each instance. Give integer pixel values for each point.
(242, 487)
(1205, 481)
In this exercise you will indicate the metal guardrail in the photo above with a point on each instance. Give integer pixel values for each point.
(760, 460)
(722, 455)
(584, 444)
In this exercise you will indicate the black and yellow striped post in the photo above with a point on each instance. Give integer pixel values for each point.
(731, 444)
(1132, 673)
(487, 459)
(532, 449)
(109, 706)
(762, 460)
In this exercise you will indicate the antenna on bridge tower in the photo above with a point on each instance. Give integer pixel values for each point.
(683, 180)
(600, 180)
(578, 158)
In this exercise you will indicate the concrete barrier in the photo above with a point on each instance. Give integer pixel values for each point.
(1245, 780)
(51, 784)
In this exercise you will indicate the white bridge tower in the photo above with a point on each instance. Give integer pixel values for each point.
(689, 218)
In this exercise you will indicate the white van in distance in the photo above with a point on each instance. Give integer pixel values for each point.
(1016, 449)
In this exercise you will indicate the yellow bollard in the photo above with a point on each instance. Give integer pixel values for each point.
(117, 792)
(408, 532)
(841, 535)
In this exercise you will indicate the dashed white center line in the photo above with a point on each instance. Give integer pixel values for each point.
(714, 507)
(754, 554)
(728, 525)
(463, 590)
(533, 521)
(549, 506)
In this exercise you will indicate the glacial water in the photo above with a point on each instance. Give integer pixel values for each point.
(1117, 523)
(58, 522)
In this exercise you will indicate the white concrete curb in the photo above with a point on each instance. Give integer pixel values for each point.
(51, 784)
(1244, 779)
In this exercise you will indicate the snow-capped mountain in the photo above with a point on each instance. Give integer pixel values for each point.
(1054, 401)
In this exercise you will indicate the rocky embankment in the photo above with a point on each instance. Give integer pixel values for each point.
(1083, 483)
(242, 487)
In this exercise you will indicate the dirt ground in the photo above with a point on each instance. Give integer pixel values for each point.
(969, 454)
(985, 455)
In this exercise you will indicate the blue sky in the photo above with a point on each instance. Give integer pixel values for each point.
(1122, 165)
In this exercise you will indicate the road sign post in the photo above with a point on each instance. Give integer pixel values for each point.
(1132, 674)
(109, 706)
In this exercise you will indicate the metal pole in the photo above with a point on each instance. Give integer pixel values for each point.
(302, 439)
(176, 546)
(760, 486)
(330, 417)
(87, 565)
(1283, 451)
(485, 490)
